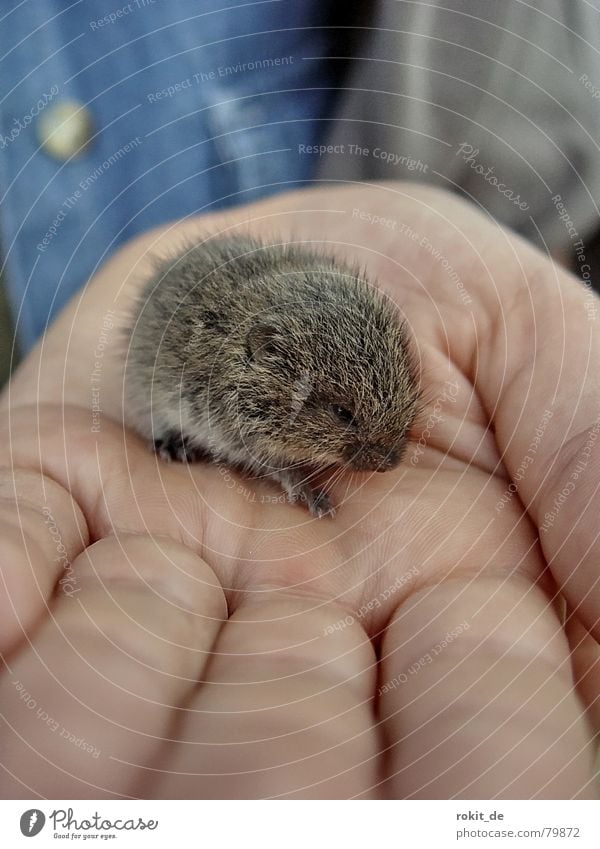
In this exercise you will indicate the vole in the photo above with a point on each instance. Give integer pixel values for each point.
(276, 359)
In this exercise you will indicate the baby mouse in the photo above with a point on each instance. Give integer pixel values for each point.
(275, 359)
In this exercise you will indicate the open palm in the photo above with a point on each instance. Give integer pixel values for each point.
(185, 632)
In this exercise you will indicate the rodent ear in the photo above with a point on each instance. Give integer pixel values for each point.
(263, 340)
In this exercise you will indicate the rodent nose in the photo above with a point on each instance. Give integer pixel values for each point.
(389, 461)
(375, 461)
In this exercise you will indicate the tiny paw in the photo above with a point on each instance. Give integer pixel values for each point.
(321, 505)
(176, 446)
(318, 502)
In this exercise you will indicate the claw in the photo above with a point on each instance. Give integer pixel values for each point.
(319, 504)
(316, 500)
(176, 446)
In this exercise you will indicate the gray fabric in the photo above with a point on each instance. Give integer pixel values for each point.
(8, 350)
(503, 76)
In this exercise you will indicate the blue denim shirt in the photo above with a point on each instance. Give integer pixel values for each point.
(194, 106)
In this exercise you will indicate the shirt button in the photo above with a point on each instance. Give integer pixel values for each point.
(65, 129)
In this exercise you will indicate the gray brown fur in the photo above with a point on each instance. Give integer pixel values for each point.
(255, 356)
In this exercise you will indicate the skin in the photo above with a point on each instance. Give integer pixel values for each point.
(213, 644)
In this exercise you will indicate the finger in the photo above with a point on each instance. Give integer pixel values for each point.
(100, 685)
(42, 530)
(533, 358)
(527, 337)
(286, 710)
(478, 699)
(117, 482)
(585, 657)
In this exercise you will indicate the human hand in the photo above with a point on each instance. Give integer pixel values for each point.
(208, 640)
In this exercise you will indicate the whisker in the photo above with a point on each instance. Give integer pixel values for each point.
(349, 485)
(309, 477)
(337, 474)
(271, 471)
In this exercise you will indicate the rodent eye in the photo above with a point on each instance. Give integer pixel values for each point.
(269, 348)
(343, 414)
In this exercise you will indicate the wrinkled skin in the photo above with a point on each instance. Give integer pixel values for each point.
(209, 643)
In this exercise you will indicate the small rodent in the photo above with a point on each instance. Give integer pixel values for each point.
(276, 359)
